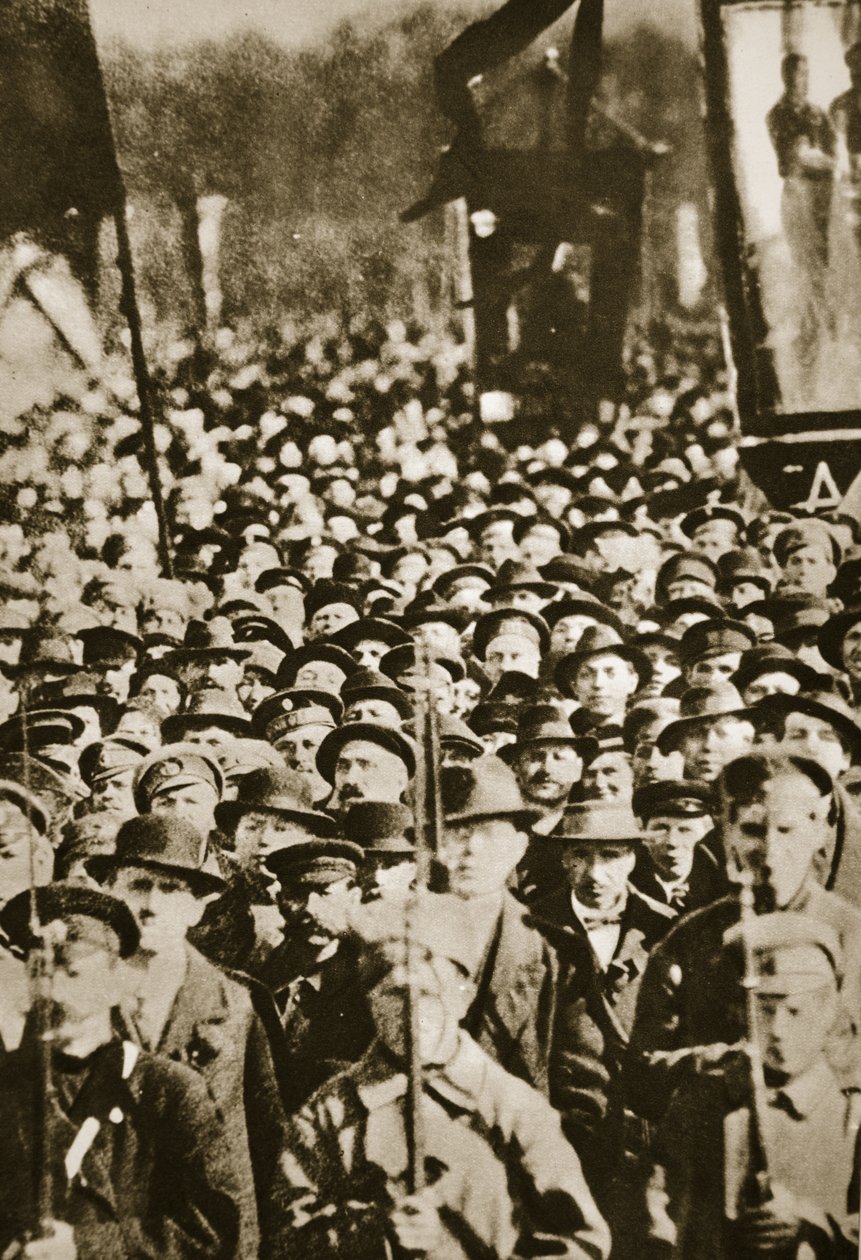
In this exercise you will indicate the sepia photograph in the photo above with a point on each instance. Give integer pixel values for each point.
(430, 629)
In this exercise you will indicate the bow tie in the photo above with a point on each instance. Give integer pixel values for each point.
(592, 923)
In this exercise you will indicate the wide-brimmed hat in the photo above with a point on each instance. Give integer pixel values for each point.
(702, 706)
(77, 691)
(28, 802)
(207, 638)
(714, 638)
(40, 728)
(282, 792)
(378, 629)
(600, 641)
(159, 842)
(486, 788)
(690, 523)
(509, 620)
(209, 707)
(316, 651)
(825, 705)
(595, 822)
(447, 580)
(773, 658)
(386, 737)
(583, 605)
(544, 724)
(514, 575)
(832, 633)
(371, 684)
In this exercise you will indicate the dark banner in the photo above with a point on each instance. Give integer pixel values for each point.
(56, 155)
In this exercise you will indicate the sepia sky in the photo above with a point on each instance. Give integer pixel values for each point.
(158, 22)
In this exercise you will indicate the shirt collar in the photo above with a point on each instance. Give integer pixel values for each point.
(459, 1082)
(806, 1090)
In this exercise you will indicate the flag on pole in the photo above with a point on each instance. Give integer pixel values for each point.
(57, 161)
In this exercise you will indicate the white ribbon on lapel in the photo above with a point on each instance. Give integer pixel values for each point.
(82, 1142)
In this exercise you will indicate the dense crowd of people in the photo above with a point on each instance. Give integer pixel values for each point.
(591, 989)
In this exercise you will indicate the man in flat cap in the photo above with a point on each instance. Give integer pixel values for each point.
(684, 575)
(710, 651)
(676, 816)
(313, 974)
(808, 555)
(179, 1005)
(501, 1179)
(714, 529)
(296, 722)
(139, 1141)
(711, 1192)
(774, 821)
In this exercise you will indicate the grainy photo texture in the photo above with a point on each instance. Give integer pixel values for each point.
(430, 629)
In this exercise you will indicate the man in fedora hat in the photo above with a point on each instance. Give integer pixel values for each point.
(840, 646)
(713, 727)
(769, 669)
(773, 818)
(208, 656)
(547, 762)
(140, 1144)
(603, 929)
(602, 675)
(385, 834)
(501, 1177)
(485, 835)
(179, 1005)
(547, 758)
(369, 696)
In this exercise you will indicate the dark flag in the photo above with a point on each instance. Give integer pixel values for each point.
(58, 172)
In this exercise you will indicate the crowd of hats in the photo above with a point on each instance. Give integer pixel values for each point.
(332, 504)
